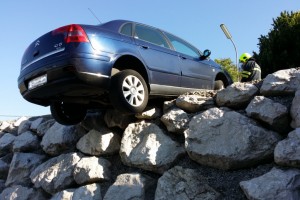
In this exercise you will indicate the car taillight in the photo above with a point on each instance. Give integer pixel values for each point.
(72, 33)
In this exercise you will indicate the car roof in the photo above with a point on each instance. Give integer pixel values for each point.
(115, 25)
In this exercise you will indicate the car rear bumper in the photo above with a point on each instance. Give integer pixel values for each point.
(76, 79)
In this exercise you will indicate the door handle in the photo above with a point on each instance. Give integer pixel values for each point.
(182, 57)
(144, 47)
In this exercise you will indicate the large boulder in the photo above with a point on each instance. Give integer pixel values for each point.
(237, 95)
(287, 151)
(128, 186)
(194, 103)
(91, 170)
(64, 195)
(168, 105)
(144, 145)
(61, 138)
(43, 127)
(21, 167)
(6, 143)
(56, 174)
(19, 121)
(183, 184)
(36, 123)
(273, 114)
(2, 185)
(4, 167)
(114, 118)
(176, 120)
(295, 110)
(282, 82)
(18, 192)
(93, 121)
(12, 126)
(1, 133)
(26, 142)
(4, 126)
(225, 139)
(86, 192)
(102, 142)
(24, 126)
(277, 184)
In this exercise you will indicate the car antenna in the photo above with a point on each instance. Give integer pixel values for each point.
(95, 15)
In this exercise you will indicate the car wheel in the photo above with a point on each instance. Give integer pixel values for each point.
(67, 113)
(128, 92)
(219, 85)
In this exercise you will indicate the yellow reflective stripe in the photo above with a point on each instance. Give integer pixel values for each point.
(256, 69)
(246, 73)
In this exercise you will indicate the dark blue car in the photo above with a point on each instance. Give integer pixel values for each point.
(121, 63)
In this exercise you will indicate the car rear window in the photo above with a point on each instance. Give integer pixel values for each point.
(150, 35)
(126, 29)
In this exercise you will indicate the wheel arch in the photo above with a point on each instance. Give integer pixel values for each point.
(221, 76)
(131, 62)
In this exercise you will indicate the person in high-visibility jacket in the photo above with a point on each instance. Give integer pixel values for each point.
(250, 69)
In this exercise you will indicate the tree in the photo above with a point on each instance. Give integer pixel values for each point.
(280, 48)
(227, 64)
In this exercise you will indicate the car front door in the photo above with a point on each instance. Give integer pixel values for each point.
(162, 62)
(196, 73)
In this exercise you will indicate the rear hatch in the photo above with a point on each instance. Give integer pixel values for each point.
(52, 43)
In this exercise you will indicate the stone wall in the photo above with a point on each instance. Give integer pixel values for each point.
(237, 143)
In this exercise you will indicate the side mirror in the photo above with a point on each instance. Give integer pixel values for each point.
(206, 54)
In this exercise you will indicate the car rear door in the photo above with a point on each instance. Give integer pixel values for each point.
(162, 62)
(196, 73)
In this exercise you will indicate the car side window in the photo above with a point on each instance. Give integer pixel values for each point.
(150, 35)
(183, 47)
(126, 29)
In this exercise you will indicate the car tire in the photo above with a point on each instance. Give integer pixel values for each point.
(128, 92)
(67, 113)
(219, 85)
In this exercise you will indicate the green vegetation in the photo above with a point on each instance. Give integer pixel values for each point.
(230, 67)
(280, 48)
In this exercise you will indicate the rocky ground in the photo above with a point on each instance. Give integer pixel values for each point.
(237, 143)
(226, 182)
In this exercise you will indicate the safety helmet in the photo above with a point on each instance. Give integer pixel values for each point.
(244, 57)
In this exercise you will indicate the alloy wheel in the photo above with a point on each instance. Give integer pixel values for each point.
(133, 90)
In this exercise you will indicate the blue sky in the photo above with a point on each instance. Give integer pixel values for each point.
(196, 21)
